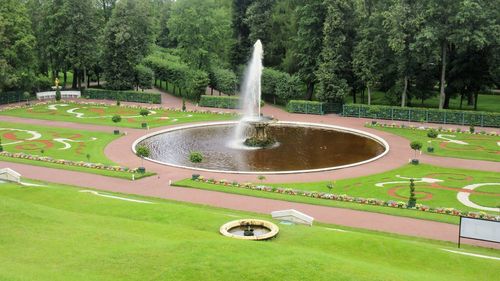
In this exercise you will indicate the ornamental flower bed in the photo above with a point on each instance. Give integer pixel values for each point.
(347, 198)
(132, 106)
(423, 128)
(21, 155)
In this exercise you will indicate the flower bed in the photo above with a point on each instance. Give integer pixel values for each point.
(423, 128)
(22, 155)
(347, 198)
(89, 103)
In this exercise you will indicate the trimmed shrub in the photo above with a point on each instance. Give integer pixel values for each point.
(280, 84)
(190, 83)
(220, 101)
(460, 117)
(131, 96)
(432, 133)
(223, 80)
(303, 106)
(143, 76)
(195, 157)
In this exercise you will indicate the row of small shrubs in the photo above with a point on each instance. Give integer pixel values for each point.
(220, 101)
(304, 106)
(191, 83)
(459, 117)
(131, 96)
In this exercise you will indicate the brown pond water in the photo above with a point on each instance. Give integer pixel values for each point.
(299, 148)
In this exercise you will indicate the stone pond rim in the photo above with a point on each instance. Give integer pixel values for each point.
(359, 133)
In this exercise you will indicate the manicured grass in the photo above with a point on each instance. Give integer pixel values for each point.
(101, 115)
(73, 145)
(490, 103)
(58, 233)
(479, 147)
(443, 194)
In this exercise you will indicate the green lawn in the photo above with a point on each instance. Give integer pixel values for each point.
(479, 147)
(59, 143)
(438, 194)
(101, 115)
(57, 233)
(489, 103)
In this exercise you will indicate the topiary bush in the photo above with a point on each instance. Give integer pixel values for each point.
(432, 133)
(195, 157)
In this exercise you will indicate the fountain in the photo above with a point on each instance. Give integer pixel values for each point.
(237, 147)
(251, 131)
(249, 229)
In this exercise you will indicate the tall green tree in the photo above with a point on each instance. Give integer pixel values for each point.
(240, 48)
(335, 70)
(17, 44)
(127, 40)
(309, 41)
(259, 21)
(403, 20)
(80, 38)
(202, 30)
(368, 57)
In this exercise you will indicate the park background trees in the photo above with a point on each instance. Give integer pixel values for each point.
(406, 51)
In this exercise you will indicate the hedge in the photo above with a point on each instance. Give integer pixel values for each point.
(223, 80)
(459, 117)
(220, 101)
(170, 68)
(303, 106)
(131, 96)
(10, 97)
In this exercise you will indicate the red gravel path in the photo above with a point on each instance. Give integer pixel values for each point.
(120, 152)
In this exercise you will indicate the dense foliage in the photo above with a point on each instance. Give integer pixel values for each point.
(327, 50)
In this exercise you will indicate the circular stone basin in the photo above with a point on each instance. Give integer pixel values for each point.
(262, 229)
(301, 147)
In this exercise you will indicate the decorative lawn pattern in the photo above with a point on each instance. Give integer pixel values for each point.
(70, 235)
(45, 143)
(436, 187)
(101, 113)
(451, 143)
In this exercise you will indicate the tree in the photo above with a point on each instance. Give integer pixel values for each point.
(202, 30)
(58, 94)
(416, 146)
(127, 39)
(80, 38)
(402, 22)
(333, 72)
(309, 41)
(164, 39)
(17, 58)
(412, 201)
(240, 49)
(258, 20)
(142, 151)
(369, 50)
